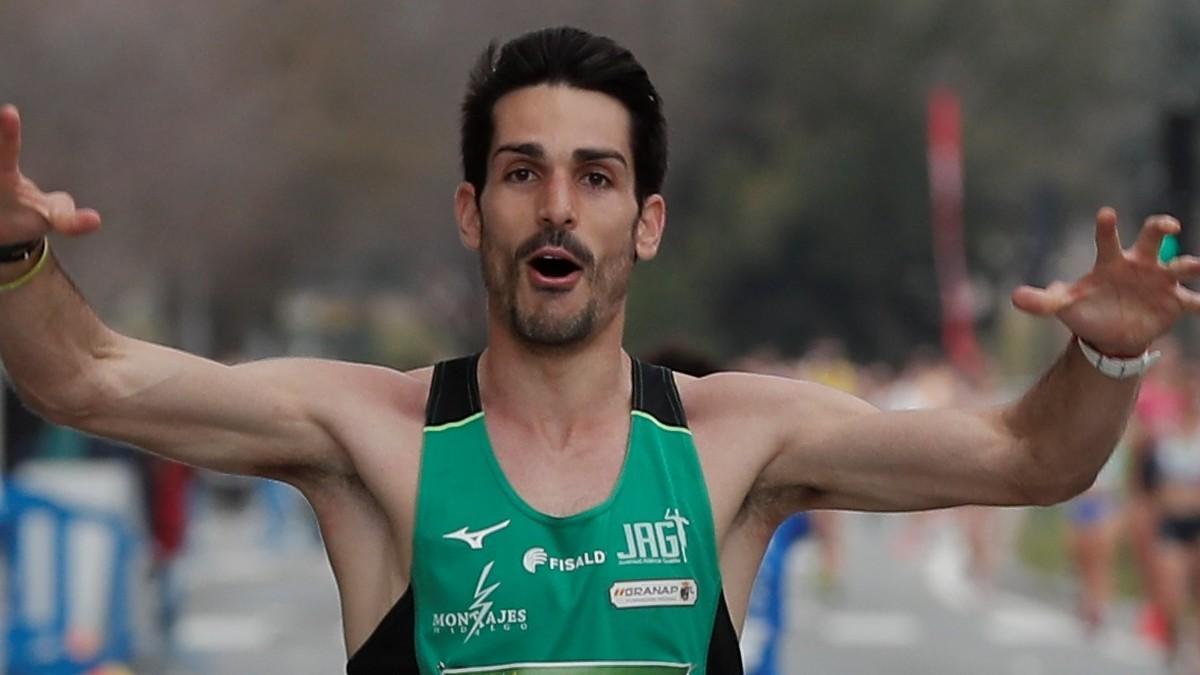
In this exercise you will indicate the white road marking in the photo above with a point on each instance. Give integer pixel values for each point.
(1031, 625)
(870, 629)
(225, 632)
(1126, 648)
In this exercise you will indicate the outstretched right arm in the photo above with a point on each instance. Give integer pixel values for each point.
(259, 418)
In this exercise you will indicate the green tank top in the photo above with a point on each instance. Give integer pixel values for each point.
(631, 586)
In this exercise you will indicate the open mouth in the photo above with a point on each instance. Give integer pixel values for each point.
(554, 267)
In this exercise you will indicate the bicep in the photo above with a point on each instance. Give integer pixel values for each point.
(838, 452)
(256, 418)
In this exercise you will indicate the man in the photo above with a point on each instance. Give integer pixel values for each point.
(587, 522)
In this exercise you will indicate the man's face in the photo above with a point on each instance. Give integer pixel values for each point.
(558, 225)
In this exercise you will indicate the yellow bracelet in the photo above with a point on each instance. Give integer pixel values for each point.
(37, 267)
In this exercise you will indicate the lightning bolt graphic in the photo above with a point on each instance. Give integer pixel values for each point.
(482, 606)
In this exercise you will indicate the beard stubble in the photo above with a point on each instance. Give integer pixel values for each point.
(607, 281)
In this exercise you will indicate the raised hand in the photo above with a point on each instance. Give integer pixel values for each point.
(27, 213)
(1129, 298)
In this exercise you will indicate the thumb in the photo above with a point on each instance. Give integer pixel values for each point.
(1042, 301)
(83, 221)
(59, 209)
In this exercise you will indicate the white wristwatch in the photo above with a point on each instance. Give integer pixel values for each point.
(1114, 367)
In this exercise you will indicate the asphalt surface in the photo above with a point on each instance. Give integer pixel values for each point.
(922, 614)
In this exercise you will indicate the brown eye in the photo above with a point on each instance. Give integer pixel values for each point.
(520, 175)
(597, 180)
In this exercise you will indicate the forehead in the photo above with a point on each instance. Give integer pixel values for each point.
(562, 119)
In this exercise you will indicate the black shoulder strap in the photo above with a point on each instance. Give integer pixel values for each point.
(724, 654)
(454, 391)
(654, 393)
(391, 648)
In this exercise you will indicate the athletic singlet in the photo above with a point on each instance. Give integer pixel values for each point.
(631, 586)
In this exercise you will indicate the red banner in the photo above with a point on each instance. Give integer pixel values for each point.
(949, 252)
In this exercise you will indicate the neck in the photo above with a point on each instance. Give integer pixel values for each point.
(556, 390)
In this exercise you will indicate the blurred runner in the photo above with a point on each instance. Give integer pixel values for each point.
(1159, 405)
(924, 382)
(826, 363)
(1177, 495)
(980, 523)
(766, 615)
(1093, 525)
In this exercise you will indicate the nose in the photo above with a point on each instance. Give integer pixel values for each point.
(557, 208)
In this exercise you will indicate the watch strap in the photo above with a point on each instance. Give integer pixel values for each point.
(1115, 367)
(19, 252)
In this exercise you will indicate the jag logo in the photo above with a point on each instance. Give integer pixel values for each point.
(657, 542)
(537, 556)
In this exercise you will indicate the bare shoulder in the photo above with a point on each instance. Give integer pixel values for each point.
(373, 413)
(741, 422)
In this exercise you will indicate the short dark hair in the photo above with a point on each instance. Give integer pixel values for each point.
(575, 58)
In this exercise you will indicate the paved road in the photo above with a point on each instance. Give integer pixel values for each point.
(250, 610)
(923, 616)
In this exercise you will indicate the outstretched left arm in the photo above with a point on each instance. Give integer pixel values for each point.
(833, 451)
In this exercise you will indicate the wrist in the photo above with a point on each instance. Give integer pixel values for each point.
(1118, 367)
(14, 275)
(20, 252)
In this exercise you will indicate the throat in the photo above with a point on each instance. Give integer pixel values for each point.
(561, 480)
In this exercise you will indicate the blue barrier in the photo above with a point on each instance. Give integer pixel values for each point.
(767, 596)
(43, 647)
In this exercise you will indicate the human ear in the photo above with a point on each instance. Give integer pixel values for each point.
(466, 210)
(651, 222)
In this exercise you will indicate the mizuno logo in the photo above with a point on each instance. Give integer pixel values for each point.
(475, 539)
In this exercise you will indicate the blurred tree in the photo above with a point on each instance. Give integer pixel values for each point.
(242, 151)
(805, 199)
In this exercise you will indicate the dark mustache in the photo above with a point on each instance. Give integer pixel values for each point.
(564, 239)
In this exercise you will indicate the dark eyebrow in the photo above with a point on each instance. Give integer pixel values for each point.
(531, 150)
(583, 155)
